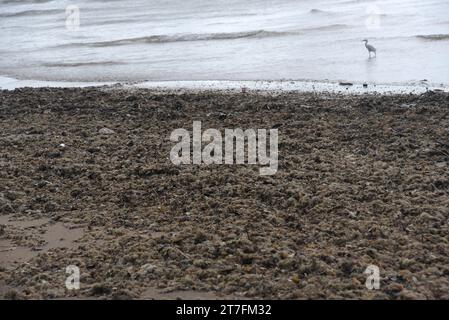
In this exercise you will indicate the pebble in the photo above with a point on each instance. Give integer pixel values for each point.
(243, 228)
(395, 287)
(106, 131)
(100, 289)
(427, 217)
(148, 268)
(406, 294)
(5, 205)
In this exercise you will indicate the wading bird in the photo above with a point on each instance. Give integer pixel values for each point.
(370, 48)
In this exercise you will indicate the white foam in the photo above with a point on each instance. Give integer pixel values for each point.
(7, 83)
(289, 85)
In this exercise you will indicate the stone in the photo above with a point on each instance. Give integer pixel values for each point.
(106, 131)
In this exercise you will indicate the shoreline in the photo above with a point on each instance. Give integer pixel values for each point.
(362, 180)
(269, 86)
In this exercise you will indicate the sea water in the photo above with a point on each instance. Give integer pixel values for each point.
(191, 40)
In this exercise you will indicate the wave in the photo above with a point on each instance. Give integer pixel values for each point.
(357, 1)
(159, 39)
(29, 13)
(316, 11)
(319, 11)
(330, 27)
(433, 37)
(181, 38)
(109, 22)
(23, 1)
(82, 64)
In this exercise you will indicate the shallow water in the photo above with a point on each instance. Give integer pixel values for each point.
(138, 40)
(54, 236)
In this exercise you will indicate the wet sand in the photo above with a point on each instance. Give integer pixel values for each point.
(362, 180)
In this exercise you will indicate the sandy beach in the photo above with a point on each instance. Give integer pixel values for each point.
(86, 180)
